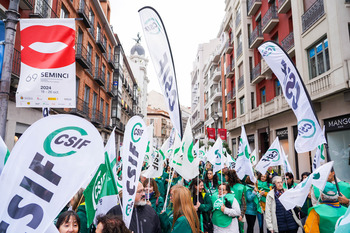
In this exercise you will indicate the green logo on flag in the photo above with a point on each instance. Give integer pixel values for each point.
(189, 153)
(65, 140)
(218, 156)
(136, 132)
(306, 128)
(268, 50)
(129, 207)
(152, 26)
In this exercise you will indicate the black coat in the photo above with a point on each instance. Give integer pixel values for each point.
(144, 219)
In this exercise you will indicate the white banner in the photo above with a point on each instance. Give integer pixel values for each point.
(310, 134)
(47, 166)
(47, 64)
(214, 155)
(272, 157)
(189, 162)
(134, 149)
(160, 52)
(4, 154)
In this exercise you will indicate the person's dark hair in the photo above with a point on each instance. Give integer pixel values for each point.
(232, 177)
(304, 174)
(192, 188)
(153, 184)
(112, 224)
(215, 179)
(290, 176)
(249, 181)
(65, 216)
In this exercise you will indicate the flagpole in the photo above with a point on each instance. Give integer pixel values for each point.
(197, 189)
(149, 185)
(329, 159)
(167, 192)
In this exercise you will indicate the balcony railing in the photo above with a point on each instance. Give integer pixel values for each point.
(16, 63)
(111, 62)
(228, 46)
(240, 82)
(82, 55)
(239, 50)
(255, 74)
(26, 4)
(270, 19)
(253, 6)
(92, 31)
(312, 15)
(230, 70)
(256, 37)
(284, 6)
(83, 12)
(238, 18)
(96, 116)
(100, 41)
(99, 76)
(231, 95)
(288, 42)
(82, 108)
(43, 10)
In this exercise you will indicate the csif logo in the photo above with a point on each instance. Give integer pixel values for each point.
(136, 132)
(152, 26)
(268, 50)
(306, 128)
(129, 207)
(273, 155)
(65, 141)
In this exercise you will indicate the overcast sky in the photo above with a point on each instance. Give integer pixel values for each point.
(188, 23)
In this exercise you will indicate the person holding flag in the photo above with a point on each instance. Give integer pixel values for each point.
(322, 218)
(253, 206)
(263, 189)
(153, 196)
(290, 181)
(211, 182)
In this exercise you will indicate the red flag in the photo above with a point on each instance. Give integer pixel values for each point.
(211, 133)
(223, 134)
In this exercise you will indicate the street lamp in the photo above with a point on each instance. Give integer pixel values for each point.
(216, 118)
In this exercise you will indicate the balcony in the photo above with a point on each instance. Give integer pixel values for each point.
(265, 69)
(217, 94)
(255, 75)
(109, 90)
(81, 56)
(284, 6)
(256, 37)
(111, 62)
(240, 82)
(270, 19)
(81, 109)
(312, 15)
(216, 74)
(230, 70)
(321, 84)
(238, 18)
(288, 42)
(253, 6)
(99, 76)
(231, 124)
(43, 10)
(83, 12)
(96, 117)
(26, 4)
(239, 50)
(101, 42)
(228, 46)
(231, 96)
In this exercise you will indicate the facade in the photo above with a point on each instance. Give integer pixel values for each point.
(105, 83)
(161, 125)
(308, 32)
(205, 52)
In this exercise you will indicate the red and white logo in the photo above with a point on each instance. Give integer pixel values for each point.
(48, 47)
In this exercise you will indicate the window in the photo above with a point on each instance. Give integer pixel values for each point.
(318, 58)
(94, 101)
(101, 105)
(233, 112)
(98, 33)
(87, 94)
(64, 12)
(89, 52)
(108, 81)
(77, 82)
(106, 114)
(278, 89)
(109, 53)
(241, 104)
(262, 95)
(103, 72)
(97, 62)
(252, 99)
(92, 17)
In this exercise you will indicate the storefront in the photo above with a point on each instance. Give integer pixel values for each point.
(338, 137)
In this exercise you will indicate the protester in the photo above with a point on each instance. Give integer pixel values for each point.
(271, 174)
(144, 218)
(110, 224)
(263, 188)
(77, 204)
(153, 196)
(253, 206)
(68, 222)
(185, 219)
(202, 203)
(322, 218)
(225, 210)
(238, 189)
(166, 217)
(290, 181)
(211, 182)
(278, 219)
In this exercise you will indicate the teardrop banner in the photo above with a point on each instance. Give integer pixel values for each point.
(49, 163)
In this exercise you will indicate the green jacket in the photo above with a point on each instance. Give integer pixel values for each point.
(158, 207)
(166, 219)
(252, 201)
(219, 218)
(181, 226)
(81, 211)
(263, 186)
(239, 190)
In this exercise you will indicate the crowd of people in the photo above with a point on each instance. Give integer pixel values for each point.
(216, 202)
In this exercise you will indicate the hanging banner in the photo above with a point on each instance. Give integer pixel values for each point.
(222, 133)
(160, 52)
(47, 64)
(134, 149)
(211, 134)
(310, 134)
(49, 163)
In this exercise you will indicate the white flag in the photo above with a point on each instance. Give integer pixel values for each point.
(4, 154)
(319, 157)
(149, 149)
(164, 149)
(243, 165)
(156, 166)
(253, 158)
(112, 153)
(214, 155)
(176, 154)
(202, 154)
(134, 148)
(343, 223)
(196, 149)
(47, 166)
(189, 163)
(286, 165)
(309, 131)
(160, 52)
(296, 196)
(272, 157)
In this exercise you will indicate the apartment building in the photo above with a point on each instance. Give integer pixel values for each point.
(105, 85)
(314, 33)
